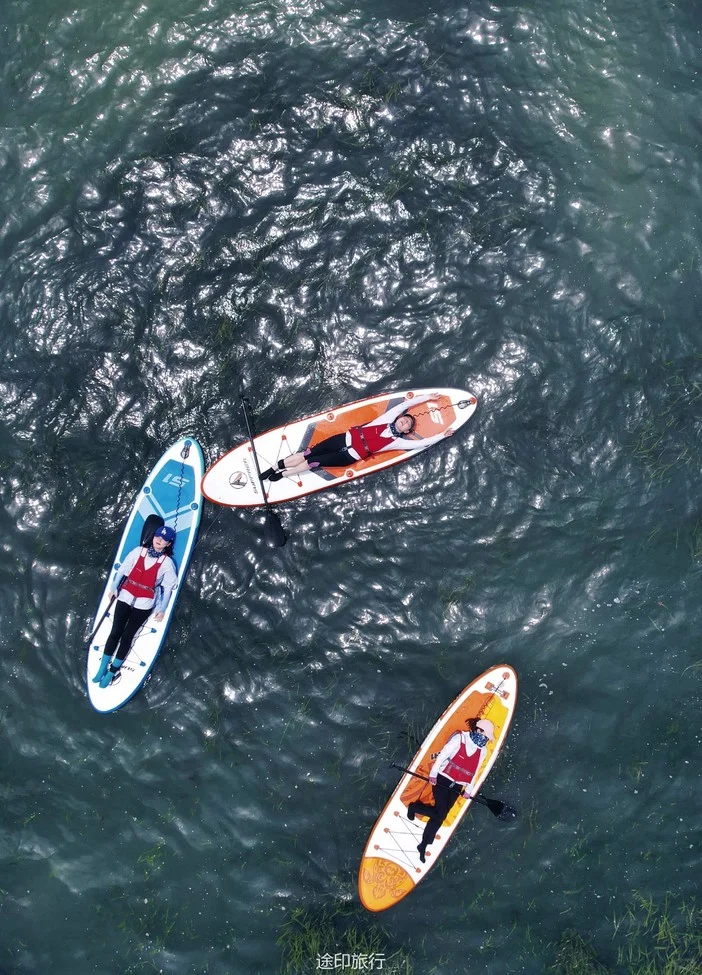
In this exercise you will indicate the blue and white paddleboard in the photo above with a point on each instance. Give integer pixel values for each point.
(171, 495)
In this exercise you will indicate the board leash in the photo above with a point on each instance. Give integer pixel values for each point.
(462, 404)
(494, 692)
(184, 454)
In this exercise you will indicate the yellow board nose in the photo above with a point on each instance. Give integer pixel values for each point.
(382, 883)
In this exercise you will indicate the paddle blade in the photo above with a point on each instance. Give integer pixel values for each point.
(275, 536)
(150, 525)
(499, 809)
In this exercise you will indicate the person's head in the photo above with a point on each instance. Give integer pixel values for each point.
(163, 539)
(405, 423)
(481, 731)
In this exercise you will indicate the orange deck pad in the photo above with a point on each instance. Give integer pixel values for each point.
(382, 883)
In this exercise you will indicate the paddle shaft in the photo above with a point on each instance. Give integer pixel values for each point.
(278, 538)
(101, 620)
(249, 430)
(425, 778)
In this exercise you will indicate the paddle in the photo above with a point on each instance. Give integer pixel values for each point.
(496, 807)
(100, 622)
(274, 530)
(149, 527)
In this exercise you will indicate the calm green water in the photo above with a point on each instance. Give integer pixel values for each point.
(313, 203)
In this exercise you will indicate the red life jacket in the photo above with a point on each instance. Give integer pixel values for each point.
(141, 582)
(369, 439)
(462, 767)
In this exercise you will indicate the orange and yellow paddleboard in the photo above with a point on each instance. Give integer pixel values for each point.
(391, 866)
(233, 480)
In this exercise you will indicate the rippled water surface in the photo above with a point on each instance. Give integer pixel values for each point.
(312, 203)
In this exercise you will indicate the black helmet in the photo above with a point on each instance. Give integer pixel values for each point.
(396, 432)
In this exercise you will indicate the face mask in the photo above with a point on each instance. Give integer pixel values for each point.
(478, 738)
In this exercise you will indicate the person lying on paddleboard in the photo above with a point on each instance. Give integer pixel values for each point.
(451, 775)
(146, 584)
(391, 431)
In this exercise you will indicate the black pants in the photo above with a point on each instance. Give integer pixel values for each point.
(331, 452)
(125, 625)
(445, 794)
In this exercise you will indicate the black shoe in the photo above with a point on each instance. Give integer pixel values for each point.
(265, 474)
(422, 850)
(275, 476)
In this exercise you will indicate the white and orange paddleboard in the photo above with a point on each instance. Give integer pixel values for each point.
(391, 867)
(233, 480)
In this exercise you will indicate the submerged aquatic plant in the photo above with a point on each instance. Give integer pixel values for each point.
(574, 956)
(666, 440)
(452, 595)
(660, 939)
(652, 939)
